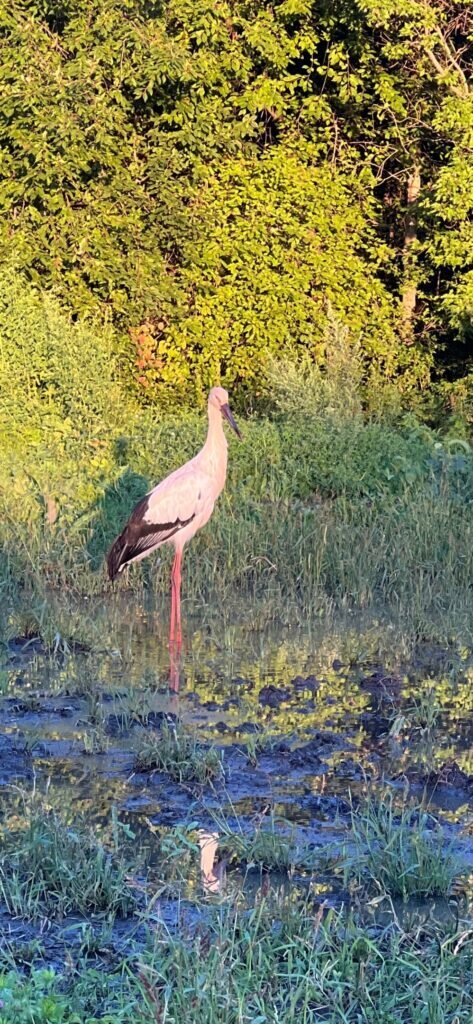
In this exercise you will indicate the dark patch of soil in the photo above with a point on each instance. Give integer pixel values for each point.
(335, 740)
(350, 769)
(308, 756)
(23, 648)
(327, 807)
(213, 705)
(156, 719)
(308, 683)
(70, 934)
(381, 684)
(15, 759)
(429, 657)
(246, 684)
(449, 774)
(272, 696)
(221, 727)
(375, 725)
(119, 724)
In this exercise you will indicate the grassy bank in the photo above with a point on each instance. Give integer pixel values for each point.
(326, 506)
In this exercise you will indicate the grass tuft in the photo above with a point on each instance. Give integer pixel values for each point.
(291, 961)
(50, 867)
(272, 843)
(179, 754)
(399, 849)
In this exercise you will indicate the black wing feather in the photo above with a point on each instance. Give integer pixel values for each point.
(139, 536)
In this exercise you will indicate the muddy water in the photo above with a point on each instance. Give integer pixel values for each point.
(305, 719)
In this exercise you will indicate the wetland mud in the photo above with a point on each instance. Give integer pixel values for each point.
(288, 733)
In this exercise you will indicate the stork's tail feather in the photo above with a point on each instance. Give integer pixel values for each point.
(115, 557)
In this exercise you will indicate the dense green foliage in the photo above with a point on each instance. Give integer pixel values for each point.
(210, 174)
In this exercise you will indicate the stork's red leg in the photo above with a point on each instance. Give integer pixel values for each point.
(173, 668)
(173, 606)
(175, 627)
(175, 637)
(178, 561)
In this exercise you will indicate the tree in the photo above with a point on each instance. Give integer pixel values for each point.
(151, 154)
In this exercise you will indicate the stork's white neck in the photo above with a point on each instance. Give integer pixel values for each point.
(214, 452)
(215, 434)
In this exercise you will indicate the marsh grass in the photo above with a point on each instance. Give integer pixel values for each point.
(95, 740)
(283, 956)
(272, 843)
(420, 718)
(282, 960)
(135, 704)
(86, 996)
(288, 960)
(399, 849)
(256, 745)
(269, 849)
(50, 867)
(408, 557)
(179, 753)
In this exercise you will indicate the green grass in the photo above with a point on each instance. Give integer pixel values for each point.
(287, 559)
(281, 961)
(419, 719)
(289, 549)
(45, 997)
(275, 956)
(51, 867)
(399, 849)
(177, 752)
(287, 962)
(271, 844)
(95, 740)
(393, 848)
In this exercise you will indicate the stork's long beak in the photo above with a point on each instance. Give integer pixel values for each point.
(227, 412)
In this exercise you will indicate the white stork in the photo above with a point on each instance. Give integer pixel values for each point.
(178, 506)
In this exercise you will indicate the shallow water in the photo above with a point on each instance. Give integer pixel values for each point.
(306, 719)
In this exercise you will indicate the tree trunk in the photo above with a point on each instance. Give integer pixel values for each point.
(409, 290)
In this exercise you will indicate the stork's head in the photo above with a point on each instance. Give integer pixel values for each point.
(218, 398)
